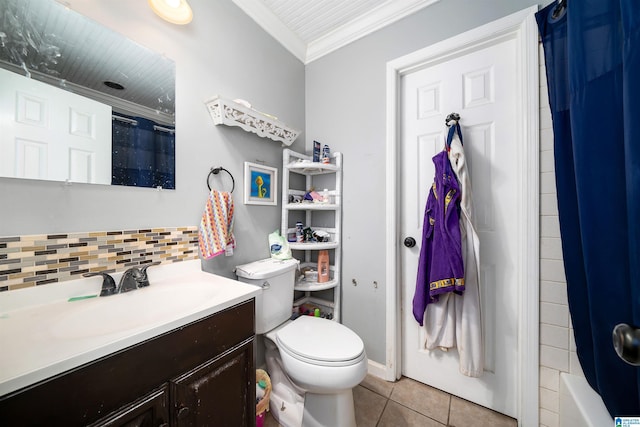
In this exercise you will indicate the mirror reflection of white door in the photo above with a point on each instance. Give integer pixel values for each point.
(49, 133)
(481, 86)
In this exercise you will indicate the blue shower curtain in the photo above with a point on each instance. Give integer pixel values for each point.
(592, 55)
(142, 155)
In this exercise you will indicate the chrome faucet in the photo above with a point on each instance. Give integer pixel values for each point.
(135, 278)
(131, 280)
(108, 284)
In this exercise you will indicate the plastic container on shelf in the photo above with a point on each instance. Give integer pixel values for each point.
(326, 155)
(323, 266)
(312, 309)
(299, 232)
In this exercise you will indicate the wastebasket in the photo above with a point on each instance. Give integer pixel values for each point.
(263, 404)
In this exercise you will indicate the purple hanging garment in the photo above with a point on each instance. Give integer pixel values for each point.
(440, 267)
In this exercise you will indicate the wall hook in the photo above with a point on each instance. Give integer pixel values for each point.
(453, 117)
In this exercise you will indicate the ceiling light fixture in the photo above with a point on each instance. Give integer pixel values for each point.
(175, 11)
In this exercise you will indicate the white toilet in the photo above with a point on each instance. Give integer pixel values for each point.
(313, 363)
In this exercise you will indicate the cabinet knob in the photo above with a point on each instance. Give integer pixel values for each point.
(183, 412)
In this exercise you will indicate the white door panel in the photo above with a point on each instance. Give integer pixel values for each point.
(49, 133)
(481, 87)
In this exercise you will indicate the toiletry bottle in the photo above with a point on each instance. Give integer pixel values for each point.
(316, 151)
(326, 154)
(323, 266)
(325, 196)
(299, 232)
(260, 389)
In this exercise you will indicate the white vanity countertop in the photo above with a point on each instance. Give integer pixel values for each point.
(43, 334)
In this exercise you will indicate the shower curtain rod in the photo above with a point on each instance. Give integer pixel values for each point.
(163, 129)
(124, 119)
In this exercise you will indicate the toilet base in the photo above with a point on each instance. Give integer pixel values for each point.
(323, 410)
(287, 400)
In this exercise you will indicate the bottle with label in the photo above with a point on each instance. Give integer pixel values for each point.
(299, 232)
(316, 151)
(326, 154)
(323, 266)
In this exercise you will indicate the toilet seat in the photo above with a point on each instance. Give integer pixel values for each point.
(320, 342)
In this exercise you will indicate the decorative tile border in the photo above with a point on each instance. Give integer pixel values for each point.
(42, 259)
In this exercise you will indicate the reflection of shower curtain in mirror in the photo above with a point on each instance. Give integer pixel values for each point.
(143, 153)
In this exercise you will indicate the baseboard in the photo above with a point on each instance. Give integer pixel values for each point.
(379, 370)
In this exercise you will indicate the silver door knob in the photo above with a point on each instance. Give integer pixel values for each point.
(626, 341)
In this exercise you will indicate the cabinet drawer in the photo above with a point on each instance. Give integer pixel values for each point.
(150, 411)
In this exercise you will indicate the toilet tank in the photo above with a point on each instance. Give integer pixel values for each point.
(276, 278)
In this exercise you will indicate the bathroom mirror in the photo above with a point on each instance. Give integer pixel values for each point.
(80, 102)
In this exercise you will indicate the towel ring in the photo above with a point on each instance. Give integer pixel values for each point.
(216, 171)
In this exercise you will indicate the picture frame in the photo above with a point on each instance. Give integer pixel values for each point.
(260, 185)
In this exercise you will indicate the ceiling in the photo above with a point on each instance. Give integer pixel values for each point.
(311, 29)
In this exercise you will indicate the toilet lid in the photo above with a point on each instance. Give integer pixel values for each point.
(320, 340)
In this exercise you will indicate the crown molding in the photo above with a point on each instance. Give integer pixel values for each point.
(373, 20)
(355, 29)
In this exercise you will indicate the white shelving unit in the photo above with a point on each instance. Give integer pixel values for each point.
(318, 216)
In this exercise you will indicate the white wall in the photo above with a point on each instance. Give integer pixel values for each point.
(557, 344)
(222, 51)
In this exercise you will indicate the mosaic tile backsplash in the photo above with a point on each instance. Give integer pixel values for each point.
(43, 259)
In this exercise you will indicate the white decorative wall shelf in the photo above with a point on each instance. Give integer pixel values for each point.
(230, 113)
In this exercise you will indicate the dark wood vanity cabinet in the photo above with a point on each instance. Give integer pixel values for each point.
(202, 374)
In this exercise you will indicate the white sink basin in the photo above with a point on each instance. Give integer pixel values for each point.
(130, 311)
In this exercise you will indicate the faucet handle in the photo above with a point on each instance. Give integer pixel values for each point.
(143, 280)
(108, 284)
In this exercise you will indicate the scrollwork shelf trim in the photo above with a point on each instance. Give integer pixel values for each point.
(230, 113)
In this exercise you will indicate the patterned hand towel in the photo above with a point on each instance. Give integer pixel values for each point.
(216, 227)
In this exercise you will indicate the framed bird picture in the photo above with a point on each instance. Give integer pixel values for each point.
(260, 184)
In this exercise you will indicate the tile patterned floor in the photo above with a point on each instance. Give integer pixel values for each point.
(408, 403)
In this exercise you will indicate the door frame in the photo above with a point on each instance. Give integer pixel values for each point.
(522, 27)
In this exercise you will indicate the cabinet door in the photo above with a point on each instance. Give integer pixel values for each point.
(220, 392)
(151, 410)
